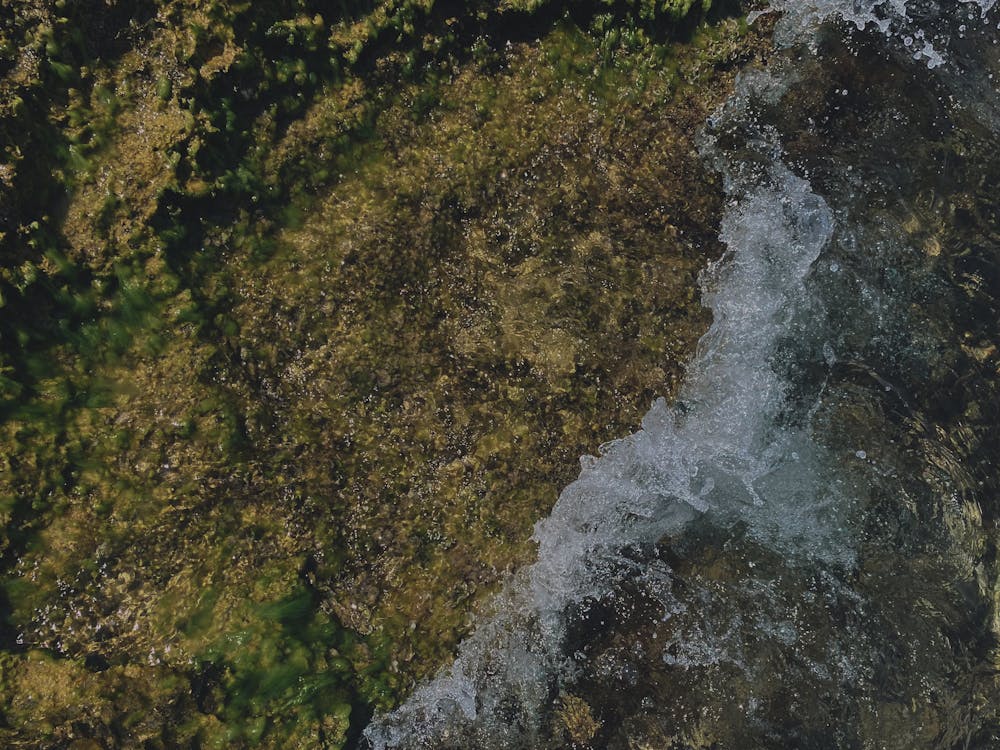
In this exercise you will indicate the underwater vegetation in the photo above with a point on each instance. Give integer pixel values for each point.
(306, 313)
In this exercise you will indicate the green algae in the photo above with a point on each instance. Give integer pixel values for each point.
(305, 321)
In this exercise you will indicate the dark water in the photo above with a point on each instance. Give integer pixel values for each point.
(801, 551)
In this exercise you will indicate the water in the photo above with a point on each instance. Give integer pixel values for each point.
(800, 551)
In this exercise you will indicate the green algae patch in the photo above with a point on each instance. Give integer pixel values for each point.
(305, 321)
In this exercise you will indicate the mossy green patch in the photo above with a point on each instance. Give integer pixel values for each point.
(306, 319)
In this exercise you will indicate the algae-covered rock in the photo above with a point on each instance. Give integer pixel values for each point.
(305, 321)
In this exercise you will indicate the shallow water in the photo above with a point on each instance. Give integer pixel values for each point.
(801, 550)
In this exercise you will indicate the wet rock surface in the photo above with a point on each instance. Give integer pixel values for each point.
(305, 322)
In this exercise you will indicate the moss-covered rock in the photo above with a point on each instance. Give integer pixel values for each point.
(305, 322)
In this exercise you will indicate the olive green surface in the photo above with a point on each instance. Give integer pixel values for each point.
(304, 322)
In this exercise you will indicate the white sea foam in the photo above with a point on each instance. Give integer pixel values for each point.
(985, 6)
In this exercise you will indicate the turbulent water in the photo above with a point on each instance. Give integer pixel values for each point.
(800, 552)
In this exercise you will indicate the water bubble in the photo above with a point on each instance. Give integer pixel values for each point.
(829, 356)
